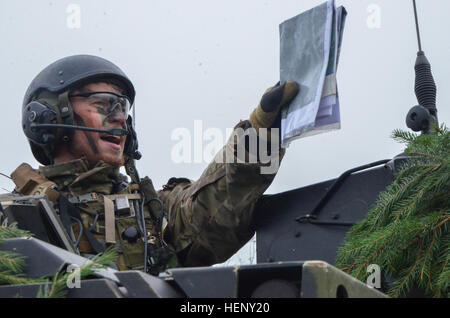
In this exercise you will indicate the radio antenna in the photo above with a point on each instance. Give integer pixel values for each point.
(417, 26)
(423, 116)
(2, 174)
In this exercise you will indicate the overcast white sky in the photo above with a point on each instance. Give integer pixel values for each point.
(211, 60)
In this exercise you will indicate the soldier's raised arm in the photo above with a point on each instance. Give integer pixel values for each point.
(210, 219)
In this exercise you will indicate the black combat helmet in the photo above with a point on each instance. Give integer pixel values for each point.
(46, 100)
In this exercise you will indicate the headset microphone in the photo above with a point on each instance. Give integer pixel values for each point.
(112, 131)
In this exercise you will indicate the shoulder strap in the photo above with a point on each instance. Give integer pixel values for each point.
(67, 210)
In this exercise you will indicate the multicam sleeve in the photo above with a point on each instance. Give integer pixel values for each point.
(210, 219)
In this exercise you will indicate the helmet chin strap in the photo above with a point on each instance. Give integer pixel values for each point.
(91, 142)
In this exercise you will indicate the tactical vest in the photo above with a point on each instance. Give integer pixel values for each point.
(98, 213)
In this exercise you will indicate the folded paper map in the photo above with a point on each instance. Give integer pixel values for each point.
(309, 55)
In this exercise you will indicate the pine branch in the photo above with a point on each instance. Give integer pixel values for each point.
(12, 265)
(401, 288)
(59, 287)
(404, 136)
(11, 261)
(426, 257)
(12, 279)
(443, 281)
(11, 232)
(407, 231)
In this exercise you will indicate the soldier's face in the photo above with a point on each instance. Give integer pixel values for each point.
(93, 145)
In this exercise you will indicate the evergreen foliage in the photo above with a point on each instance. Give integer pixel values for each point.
(58, 287)
(406, 233)
(12, 266)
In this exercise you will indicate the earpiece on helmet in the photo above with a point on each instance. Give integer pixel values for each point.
(39, 113)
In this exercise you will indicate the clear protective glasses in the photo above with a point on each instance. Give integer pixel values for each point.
(107, 103)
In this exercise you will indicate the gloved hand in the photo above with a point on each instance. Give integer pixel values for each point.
(272, 101)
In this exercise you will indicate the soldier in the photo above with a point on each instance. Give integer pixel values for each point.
(76, 118)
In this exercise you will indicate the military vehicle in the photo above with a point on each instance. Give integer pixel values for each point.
(298, 235)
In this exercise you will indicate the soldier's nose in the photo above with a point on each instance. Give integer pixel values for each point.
(117, 118)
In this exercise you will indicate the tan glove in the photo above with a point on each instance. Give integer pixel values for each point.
(273, 100)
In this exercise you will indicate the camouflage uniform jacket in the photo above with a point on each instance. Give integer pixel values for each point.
(207, 220)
